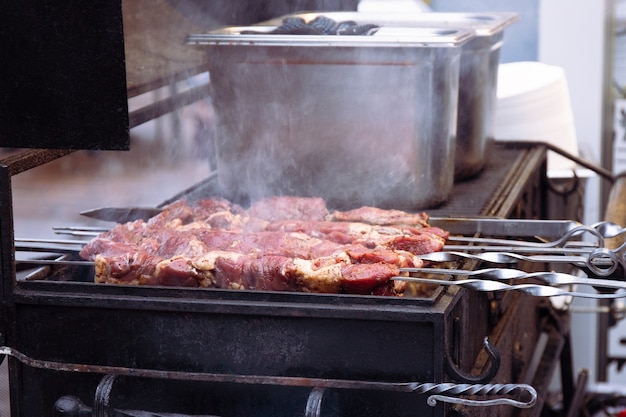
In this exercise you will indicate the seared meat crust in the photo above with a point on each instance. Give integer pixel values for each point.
(278, 244)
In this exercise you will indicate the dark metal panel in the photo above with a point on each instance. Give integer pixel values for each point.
(62, 75)
(7, 250)
(241, 344)
(295, 344)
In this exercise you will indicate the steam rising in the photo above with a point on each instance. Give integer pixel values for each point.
(356, 126)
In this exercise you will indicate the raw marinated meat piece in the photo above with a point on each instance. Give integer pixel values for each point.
(365, 278)
(375, 215)
(180, 271)
(177, 210)
(131, 268)
(429, 239)
(279, 244)
(289, 208)
(274, 273)
(418, 244)
(206, 208)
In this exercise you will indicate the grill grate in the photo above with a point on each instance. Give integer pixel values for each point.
(487, 194)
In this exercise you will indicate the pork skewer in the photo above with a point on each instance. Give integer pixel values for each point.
(280, 243)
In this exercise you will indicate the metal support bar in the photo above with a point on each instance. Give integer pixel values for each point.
(576, 401)
(7, 249)
(525, 395)
(616, 213)
(165, 106)
(569, 390)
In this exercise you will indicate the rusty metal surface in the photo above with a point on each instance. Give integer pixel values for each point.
(28, 159)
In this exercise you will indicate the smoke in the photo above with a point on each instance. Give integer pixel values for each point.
(356, 126)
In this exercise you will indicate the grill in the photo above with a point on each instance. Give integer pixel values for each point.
(239, 353)
(76, 348)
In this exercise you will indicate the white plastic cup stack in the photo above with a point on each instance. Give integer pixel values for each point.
(534, 105)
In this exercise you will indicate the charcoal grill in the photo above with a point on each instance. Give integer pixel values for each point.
(263, 353)
(77, 348)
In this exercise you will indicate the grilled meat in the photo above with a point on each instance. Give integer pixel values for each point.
(375, 215)
(294, 247)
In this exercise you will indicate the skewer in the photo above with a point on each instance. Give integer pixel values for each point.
(520, 243)
(79, 230)
(501, 257)
(530, 289)
(48, 245)
(521, 249)
(53, 262)
(565, 241)
(51, 241)
(506, 274)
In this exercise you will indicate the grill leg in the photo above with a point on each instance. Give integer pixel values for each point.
(567, 374)
(576, 401)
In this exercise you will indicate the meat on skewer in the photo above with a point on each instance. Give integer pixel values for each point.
(298, 246)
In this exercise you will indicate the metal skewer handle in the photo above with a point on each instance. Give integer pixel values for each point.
(506, 274)
(602, 262)
(444, 392)
(531, 289)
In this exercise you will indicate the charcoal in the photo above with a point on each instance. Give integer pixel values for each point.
(325, 25)
(358, 30)
(321, 25)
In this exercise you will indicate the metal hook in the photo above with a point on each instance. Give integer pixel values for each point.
(314, 402)
(489, 390)
(102, 399)
(459, 375)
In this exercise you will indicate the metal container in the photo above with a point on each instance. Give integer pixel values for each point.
(357, 120)
(480, 58)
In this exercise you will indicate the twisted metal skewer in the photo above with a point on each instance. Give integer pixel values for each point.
(507, 274)
(609, 230)
(437, 392)
(496, 257)
(601, 261)
(530, 289)
(563, 242)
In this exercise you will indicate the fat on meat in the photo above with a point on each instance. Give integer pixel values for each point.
(278, 244)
